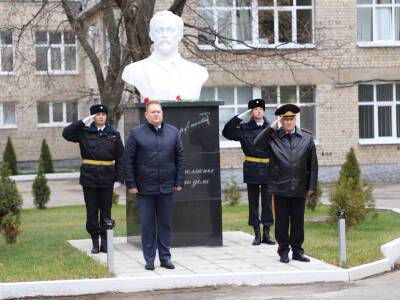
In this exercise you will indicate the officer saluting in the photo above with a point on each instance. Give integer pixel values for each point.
(255, 166)
(294, 173)
(101, 151)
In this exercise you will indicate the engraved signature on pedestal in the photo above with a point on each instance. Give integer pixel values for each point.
(204, 119)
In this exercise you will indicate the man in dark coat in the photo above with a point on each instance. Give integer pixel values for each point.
(255, 167)
(101, 170)
(294, 174)
(154, 169)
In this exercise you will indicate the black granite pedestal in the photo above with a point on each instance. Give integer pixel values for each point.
(197, 214)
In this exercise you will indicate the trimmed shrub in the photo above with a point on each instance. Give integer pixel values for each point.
(10, 226)
(115, 198)
(10, 157)
(232, 193)
(45, 157)
(10, 205)
(40, 189)
(351, 192)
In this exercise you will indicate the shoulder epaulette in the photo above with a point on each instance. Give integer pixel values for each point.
(305, 130)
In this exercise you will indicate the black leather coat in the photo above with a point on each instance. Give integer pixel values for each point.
(245, 133)
(94, 145)
(294, 164)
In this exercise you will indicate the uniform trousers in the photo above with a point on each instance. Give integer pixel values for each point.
(98, 201)
(254, 191)
(289, 224)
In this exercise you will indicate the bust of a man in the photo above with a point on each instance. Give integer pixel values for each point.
(165, 75)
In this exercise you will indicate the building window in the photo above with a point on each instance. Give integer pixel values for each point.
(56, 52)
(7, 115)
(6, 52)
(379, 112)
(57, 113)
(236, 100)
(255, 23)
(378, 22)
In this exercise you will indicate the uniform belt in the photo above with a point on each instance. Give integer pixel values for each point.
(98, 162)
(257, 159)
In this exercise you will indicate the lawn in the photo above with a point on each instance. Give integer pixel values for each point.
(42, 252)
(321, 239)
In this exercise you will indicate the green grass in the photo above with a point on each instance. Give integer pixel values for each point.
(42, 251)
(321, 239)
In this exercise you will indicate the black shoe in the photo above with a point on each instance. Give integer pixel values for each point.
(257, 236)
(149, 266)
(95, 244)
(266, 238)
(167, 264)
(103, 247)
(300, 257)
(284, 259)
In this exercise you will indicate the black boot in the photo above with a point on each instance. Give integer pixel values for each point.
(257, 236)
(103, 247)
(266, 238)
(95, 243)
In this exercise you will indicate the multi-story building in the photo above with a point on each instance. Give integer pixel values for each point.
(338, 60)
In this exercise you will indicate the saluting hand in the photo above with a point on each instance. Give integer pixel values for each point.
(88, 120)
(245, 116)
(274, 124)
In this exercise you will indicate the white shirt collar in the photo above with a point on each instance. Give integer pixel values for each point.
(101, 128)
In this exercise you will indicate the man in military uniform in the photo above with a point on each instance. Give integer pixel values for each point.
(255, 167)
(293, 176)
(101, 171)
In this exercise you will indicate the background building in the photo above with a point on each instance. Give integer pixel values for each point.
(338, 60)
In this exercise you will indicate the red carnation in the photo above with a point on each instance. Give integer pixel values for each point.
(178, 98)
(145, 100)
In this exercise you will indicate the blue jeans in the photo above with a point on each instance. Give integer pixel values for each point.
(155, 219)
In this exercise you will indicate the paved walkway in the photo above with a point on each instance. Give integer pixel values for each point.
(237, 255)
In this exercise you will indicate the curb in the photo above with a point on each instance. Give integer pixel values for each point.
(367, 270)
(142, 284)
(50, 176)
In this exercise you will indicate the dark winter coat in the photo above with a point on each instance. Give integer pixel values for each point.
(154, 159)
(245, 133)
(94, 145)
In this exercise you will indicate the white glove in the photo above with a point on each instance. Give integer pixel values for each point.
(117, 184)
(88, 120)
(245, 116)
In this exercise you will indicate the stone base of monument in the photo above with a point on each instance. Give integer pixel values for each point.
(197, 212)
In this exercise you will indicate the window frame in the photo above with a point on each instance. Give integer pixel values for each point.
(256, 43)
(62, 47)
(51, 123)
(376, 104)
(8, 126)
(379, 43)
(13, 52)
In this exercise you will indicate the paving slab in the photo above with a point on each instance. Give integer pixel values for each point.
(236, 256)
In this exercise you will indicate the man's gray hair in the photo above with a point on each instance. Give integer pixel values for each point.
(168, 14)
